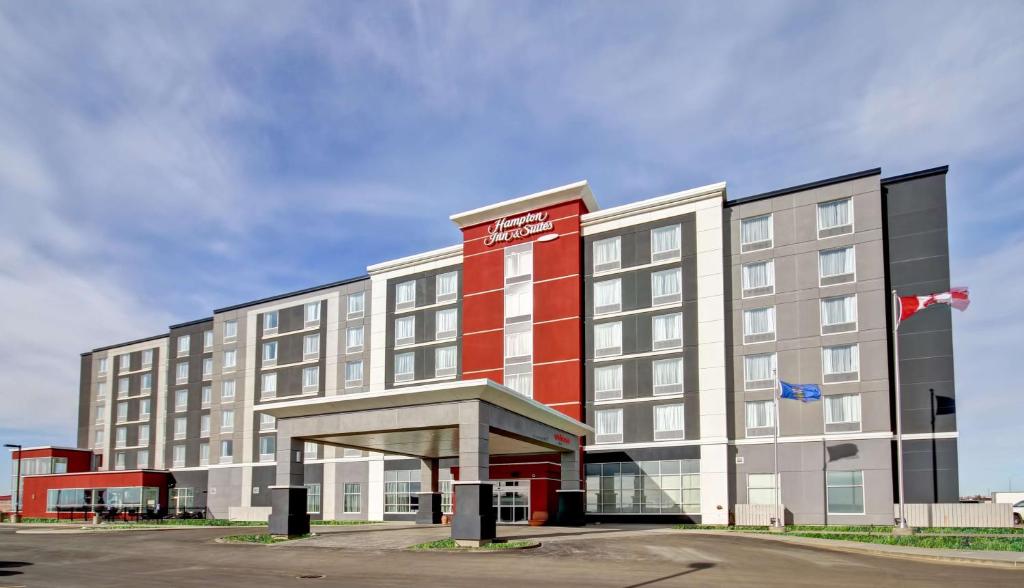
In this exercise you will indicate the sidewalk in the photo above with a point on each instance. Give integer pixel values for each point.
(1000, 559)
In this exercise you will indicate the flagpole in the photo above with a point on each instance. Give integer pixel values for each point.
(899, 405)
(775, 444)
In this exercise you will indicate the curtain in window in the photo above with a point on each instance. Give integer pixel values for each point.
(836, 262)
(666, 283)
(312, 312)
(519, 300)
(518, 344)
(668, 327)
(444, 358)
(353, 371)
(312, 344)
(518, 263)
(833, 214)
(521, 383)
(608, 335)
(607, 251)
(270, 320)
(405, 292)
(269, 382)
(839, 310)
(757, 229)
(446, 320)
(842, 409)
(668, 417)
(355, 303)
(227, 419)
(405, 328)
(758, 275)
(760, 413)
(405, 363)
(609, 422)
(758, 367)
(665, 239)
(668, 372)
(758, 321)
(447, 284)
(841, 359)
(354, 338)
(269, 351)
(608, 378)
(608, 293)
(310, 376)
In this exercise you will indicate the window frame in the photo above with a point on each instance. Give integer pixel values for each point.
(265, 392)
(183, 350)
(406, 304)
(743, 286)
(265, 360)
(608, 351)
(354, 383)
(774, 488)
(618, 261)
(676, 298)
(440, 298)
(856, 359)
(682, 375)
(266, 318)
(770, 427)
(306, 353)
(615, 437)
(822, 278)
(752, 338)
(230, 331)
(748, 247)
(617, 392)
(667, 344)
(817, 219)
(608, 308)
(308, 322)
(346, 493)
(826, 398)
(362, 339)
(349, 313)
(681, 432)
(678, 229)
(445, 335)
(313, 386)
(448, 371)
(863, 493)
(856, 317)
(773, 365)
(404, 376)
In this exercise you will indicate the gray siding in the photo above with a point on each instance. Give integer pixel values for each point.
(425, 325)
(194, 409)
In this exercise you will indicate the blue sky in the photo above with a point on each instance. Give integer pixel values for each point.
(159, 160)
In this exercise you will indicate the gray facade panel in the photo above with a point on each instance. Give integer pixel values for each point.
(425, 325)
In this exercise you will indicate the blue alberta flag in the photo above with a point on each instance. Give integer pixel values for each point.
(801, 392)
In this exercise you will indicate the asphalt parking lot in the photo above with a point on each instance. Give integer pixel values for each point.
(592, 557)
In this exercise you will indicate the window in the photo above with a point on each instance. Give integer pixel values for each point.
(608, 426)
(405, 295)
(310, 378)
(607, 339)
(667, 287)
(311, 311)
(207, 367)
(518, 302)
(445, 488)
(206, 396)
(311, 346)
(230, 330)
(227, 451)
(401, 491)
(180, 428)
(121, 437)
(668, 422)
(665, 243)
(310, 450)
(147, 383)
(842, 413)
(608, 382)
(837, 266)
(204, 454)
(607, 254)
(668, 376)
(270, 322)
(405, 330)
(122, 412)
(445, 361)
(268, 445)
(124, 362)
(122, 387)
(268, 385)
(227, 421)
(845, 492)
(208, 339)
(100, 417)
(756, 233)
(758, 278)
(101, 366)
(227, 391)
(147, 358)
(759, 371)
(144, 408)
(761, 489)
(142, 459)
(519, 262)
(101, 390)
(181, 372)
(98, 441)
(838, 314)
(519, 345)
(667, 331)
(352, 502)
(353, 374)
(119, 461)
(143, 435)
(270, 353)
(178, 456)
(180, 400)
(405, 366)
(669, 486)
(204, 425)
(313, 498)
(356, 305)
(446, 286)
(607, 296)
(760, 418)
(759, 325)
(349, 452)
(353, 339)
(522, 384)
(184, 343)
(835, 218)
(840, 363)
(230, 360)
(446, 323)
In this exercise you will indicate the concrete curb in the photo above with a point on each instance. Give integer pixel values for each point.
(973, 558)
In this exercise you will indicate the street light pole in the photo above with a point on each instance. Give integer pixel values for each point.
(17, 483)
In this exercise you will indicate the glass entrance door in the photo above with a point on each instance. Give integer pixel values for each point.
(512, 501)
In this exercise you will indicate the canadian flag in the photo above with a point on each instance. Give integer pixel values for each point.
(956, 297)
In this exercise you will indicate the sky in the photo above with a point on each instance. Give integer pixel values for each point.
(160, 160)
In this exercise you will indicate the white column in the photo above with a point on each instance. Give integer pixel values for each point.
(375, 488)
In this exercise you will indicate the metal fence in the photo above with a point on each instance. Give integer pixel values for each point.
(756, 514)
(957, 515)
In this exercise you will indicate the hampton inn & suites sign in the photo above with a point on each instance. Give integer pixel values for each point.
(512, 228)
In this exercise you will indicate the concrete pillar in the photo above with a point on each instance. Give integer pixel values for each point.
(288, 497)
(429, 512)
(475, 519)
(571, 499)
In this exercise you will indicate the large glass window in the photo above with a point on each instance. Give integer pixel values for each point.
(401, 491)
(227, 391)
(758, 324)
(230, 330)
(668, 422)
(310, 378)
(840, 363)
(760, 418)
(353, 373)
(311, 346)
(836, 266)
(758, 278)
(656, 487)
(208, 340)
(268, 445)
(123, 387)
(668, 376)
(147, 358)
(227, 451)
(124, 362)
(446, 323)
(518, 262)
(352, 499)
(311, 312)
(122, 412)
(839, 314)
(142, 459)
(184, 343)
(405, 294)
(608, 339)
(227, 421)
(270, 322)
(267, 422)
(835, 217)
(101, 366)
(230, 360)
(607, 254)
(445, 361)
(270, 353)
(608, 382)
(667, 331)
(405, 366)
(204, 453)
(268, 385)
(204, 425)
(313, 498)
(356, 305)
(181, 400)
(353, 339)
(667, 287)
(519, 344)
(759, 371)
(607, 296)
(665, 243)
(180, 428)
(121, 437)
(144, 406)
(518, 301)
(842, 413)
(405, 330)
(845, 492)
(608, 426)
(178, 456)
(761, 489)
(447, 286)
(207, 367)
(756, 233)
(521, 383)
(182, 372)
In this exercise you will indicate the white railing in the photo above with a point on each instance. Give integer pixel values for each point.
(756, 514)
(957, 515)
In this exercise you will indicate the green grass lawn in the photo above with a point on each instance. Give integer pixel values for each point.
(933, 542)
(495, 546)
(261, 538)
